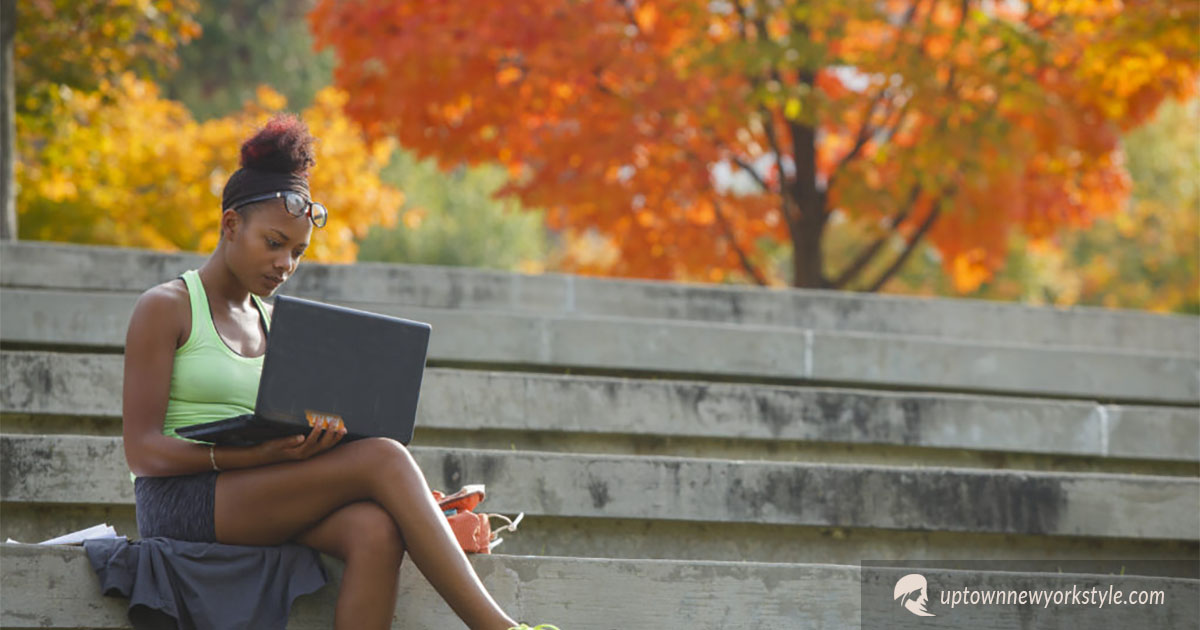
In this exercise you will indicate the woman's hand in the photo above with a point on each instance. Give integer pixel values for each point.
(296, 447)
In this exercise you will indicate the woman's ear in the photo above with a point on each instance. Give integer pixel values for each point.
(231, 222)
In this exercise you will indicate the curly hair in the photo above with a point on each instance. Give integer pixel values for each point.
(284, 145)
(276, 158)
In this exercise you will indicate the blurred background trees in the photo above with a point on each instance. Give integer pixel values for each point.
(1012, 151)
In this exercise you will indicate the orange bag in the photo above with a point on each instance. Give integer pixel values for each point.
(473, 531)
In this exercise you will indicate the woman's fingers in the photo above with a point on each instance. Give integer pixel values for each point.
(330, 434)
(322, 437)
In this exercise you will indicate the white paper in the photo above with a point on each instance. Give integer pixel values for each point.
(103, 530)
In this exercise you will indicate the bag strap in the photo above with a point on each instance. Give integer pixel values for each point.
(510, 525)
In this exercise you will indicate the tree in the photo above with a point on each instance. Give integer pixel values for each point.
(64, 45)
(452, 219)
(952, 122)
(123, 166)
(8, 198)
(245, 44)
(1145, 256)
(448, 218)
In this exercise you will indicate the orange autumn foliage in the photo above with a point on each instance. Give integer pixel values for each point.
(690, 134)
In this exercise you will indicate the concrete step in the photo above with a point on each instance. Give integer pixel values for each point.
(55, 587)
(99, 320)
(84, 470)
(758, 417)
(78, 267)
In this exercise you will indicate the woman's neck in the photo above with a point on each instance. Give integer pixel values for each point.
(220, 284)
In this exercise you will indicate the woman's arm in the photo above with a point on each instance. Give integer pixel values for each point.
(154, 332)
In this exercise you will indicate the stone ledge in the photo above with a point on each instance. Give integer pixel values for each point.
(52, 265)
(702, 541)
(56, 588)
(99, 319)
(91, 470)
(68, 384)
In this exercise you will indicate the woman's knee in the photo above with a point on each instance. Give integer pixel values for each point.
(384, 454)
(375, 536)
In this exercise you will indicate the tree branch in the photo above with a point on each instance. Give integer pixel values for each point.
(866, 131)
(873, 250)
(753, 173)
(909, 248)
(768, 119)
(747, 265)
(773, 140)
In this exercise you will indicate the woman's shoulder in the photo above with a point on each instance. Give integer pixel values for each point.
(165, 308)
(168, 295)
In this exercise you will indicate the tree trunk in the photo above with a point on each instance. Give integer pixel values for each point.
(806, 254)
(8, 144)
(809, 223)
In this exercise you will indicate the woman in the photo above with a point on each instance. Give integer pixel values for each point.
(194, 354)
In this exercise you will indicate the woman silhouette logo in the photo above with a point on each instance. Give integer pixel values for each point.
(913, 589)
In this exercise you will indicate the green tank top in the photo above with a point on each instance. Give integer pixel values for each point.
(209, 381)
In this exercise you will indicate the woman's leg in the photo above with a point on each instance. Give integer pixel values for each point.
(365, 537)
(272, 504)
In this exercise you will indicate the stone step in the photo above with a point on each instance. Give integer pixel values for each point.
(55, 587)
(695, 540)
(468, 401)
(85, 470)
(79, 267)
(712, 351)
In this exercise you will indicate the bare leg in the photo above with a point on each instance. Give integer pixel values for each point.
(365, 537)
(272, 504)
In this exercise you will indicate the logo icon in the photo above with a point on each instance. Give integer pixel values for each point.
(913, 593)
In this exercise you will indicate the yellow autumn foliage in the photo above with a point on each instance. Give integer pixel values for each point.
(124, 166)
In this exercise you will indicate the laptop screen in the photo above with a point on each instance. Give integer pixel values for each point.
(325, 360)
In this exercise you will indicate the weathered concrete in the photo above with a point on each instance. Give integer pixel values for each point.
(97, 319)
(71, 383)
(542, 535)
(56, 588)
(668, 507)
(91, 470)
(46, 265)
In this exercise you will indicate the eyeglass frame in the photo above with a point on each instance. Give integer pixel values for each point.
(282, 194)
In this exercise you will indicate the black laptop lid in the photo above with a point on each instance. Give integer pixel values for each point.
(330, 360)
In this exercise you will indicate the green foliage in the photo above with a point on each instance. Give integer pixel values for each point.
(247, 43)
(452, 219)
(1163, 158)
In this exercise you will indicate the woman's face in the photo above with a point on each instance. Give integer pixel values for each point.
(265, 245)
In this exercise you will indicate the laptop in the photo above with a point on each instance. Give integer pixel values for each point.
(326, 361)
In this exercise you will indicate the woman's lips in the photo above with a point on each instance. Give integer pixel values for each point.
(274, 280)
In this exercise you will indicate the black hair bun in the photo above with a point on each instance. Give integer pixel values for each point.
(282, 146)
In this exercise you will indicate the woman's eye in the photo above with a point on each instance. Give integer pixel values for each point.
(273, 244)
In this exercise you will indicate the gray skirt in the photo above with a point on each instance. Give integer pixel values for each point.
(177, 507)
